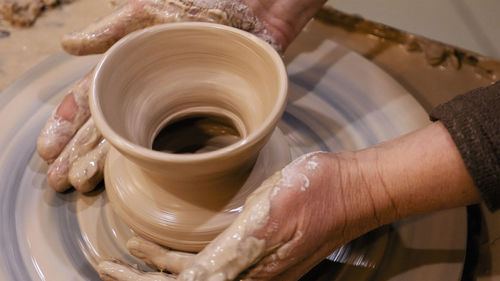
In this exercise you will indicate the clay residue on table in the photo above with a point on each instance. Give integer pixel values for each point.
(431, 71)
(436, 53)
(25, 12)
(22, 48)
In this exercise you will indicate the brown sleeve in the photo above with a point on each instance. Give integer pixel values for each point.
(473, 121)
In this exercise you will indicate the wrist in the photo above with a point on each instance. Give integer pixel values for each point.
(371, 187)
(353, 178)
(419, 173)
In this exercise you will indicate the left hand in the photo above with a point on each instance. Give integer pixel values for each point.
(77, 151)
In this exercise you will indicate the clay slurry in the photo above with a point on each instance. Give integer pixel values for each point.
(196, 134)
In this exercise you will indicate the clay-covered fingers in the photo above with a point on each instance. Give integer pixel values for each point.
(71, 143)
(277, 267)
(88, 170)
(157, 256)
(138, 14)
(101, 35)
(154, 255)
(132, 16)
(236, 249)
(117, 271)
(65, 120)
(87, 139)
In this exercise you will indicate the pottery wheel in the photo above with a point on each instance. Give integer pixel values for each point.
(337, 101)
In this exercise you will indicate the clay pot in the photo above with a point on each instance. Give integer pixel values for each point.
(171, 72)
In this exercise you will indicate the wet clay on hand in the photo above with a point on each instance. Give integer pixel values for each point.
(135, 15)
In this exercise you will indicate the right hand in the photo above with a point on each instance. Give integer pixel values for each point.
(289, 224)
(70, 141)
(314, 205)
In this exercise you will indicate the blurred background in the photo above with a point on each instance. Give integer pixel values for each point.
(470, 24)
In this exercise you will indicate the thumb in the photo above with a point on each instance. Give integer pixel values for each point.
(101, 35)
(138, 14)
(235, 249)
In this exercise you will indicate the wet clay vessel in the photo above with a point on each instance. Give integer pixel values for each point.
(187, 73)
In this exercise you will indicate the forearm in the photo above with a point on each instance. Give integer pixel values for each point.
(418, 173)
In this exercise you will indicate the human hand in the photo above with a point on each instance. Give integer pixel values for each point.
(314, 205)
(77, 151)
(291, 222)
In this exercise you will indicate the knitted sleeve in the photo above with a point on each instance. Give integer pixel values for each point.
(473, 121)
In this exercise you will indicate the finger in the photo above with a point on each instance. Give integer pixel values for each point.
(276, 262)
(135, 15)
(301, 268)
(87, 171)
(85, 140)
(101, 35)
(236, 249)
(117, 271)
(286, 268)
(158, 256)
(65, 120)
